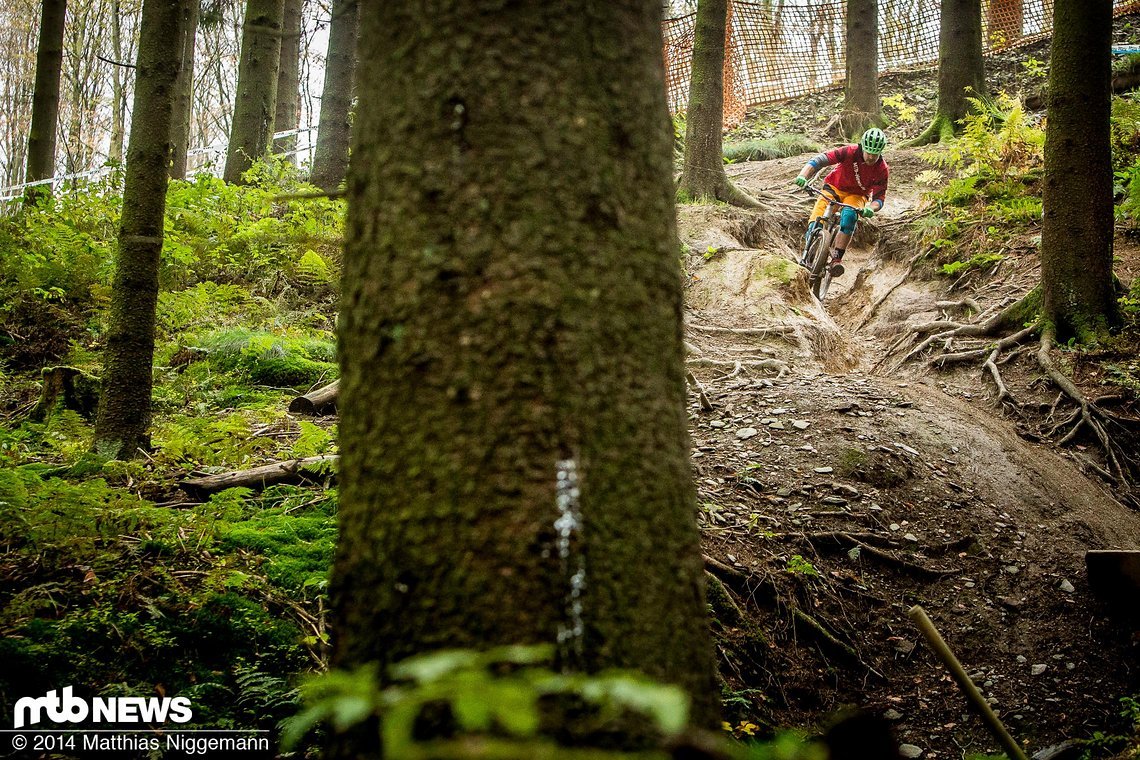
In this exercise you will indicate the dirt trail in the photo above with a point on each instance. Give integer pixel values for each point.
(833, 499)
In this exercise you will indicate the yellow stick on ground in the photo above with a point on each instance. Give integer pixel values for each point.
(944, 653)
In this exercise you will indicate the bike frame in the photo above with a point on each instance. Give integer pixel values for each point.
(817, 250)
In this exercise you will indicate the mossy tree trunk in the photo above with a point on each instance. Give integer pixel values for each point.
(255, 105)
(961, 69)
(184, 89)
(289, 80)
(122, 425)
(1004, 21)
(703, 176)
(330, 157)
(1077, 231)
(45, 99)
(861, 107)
(511, 278)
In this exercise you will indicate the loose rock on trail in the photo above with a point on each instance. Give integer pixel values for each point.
(837, 490)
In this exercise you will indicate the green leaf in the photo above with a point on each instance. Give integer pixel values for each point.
(515, 705)
(424, 668)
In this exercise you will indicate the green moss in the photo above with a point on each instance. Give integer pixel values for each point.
(779, 146)
(276, 360)
(876, 468)
(776, 268)
(723, 609)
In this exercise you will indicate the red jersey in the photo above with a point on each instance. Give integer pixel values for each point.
(854, 175)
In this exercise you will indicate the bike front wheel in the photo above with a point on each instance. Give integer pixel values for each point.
(817, 258)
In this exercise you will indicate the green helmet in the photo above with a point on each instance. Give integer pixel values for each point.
(874, 141)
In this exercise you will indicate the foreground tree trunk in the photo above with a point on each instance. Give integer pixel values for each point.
(961, 70)
(45, 99)
(184, 90)
(1076, 235)
(513, 429)
(330, 159)
(861, 107)
(255, 107)
(703, 177)
(122, 425)
(288, 116)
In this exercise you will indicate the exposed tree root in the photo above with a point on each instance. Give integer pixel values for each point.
(886, 556)
(818, 630)
(1106, 427)
(940, 130)
(776, 365)
(706, 405)
(1087, 415)
(780, 331)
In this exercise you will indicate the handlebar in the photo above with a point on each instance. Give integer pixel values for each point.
(812, 190)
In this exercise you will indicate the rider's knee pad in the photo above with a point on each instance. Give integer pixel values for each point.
(847, 220)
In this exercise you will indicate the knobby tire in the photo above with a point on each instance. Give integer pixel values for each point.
(817, 261)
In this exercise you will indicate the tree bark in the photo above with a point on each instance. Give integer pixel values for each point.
(961, 69)
(255, 106)
(45, 99)
(122, 426)
(515, 463)
(703, 177)
(118, 97)
(861, 107)
(1004, 19)
(184, 90)
(1077, 230)
(330, 160)
(288, 80)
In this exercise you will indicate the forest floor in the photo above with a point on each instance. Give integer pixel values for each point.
(839, 486)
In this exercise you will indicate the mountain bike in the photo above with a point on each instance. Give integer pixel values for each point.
(817, 248)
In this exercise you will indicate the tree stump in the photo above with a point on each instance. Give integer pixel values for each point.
(66, 388)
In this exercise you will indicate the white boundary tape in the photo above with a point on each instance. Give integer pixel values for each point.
(102, 170)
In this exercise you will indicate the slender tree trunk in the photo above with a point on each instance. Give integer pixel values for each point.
(45, 100)
(861, 97)
(122, 426)
(330, 159)
(1004, 19)
(184, 90)
(288, 80)
(513, 426)
(118, 102)
(255, 107)
(703, 177)
(1077, 231)
(961, 70)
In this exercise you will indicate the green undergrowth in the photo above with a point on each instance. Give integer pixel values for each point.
(987, 203)
(229, 252)
(106, 591)
(111, 579)
(270, 359)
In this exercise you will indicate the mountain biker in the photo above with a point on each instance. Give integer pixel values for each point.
(860, 174)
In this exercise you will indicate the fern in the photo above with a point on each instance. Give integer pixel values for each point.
(312, 441)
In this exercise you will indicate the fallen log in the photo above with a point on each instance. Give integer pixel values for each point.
(317, 403)
(310, 469)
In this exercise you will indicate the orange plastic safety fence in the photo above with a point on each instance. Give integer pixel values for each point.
(779, 49)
